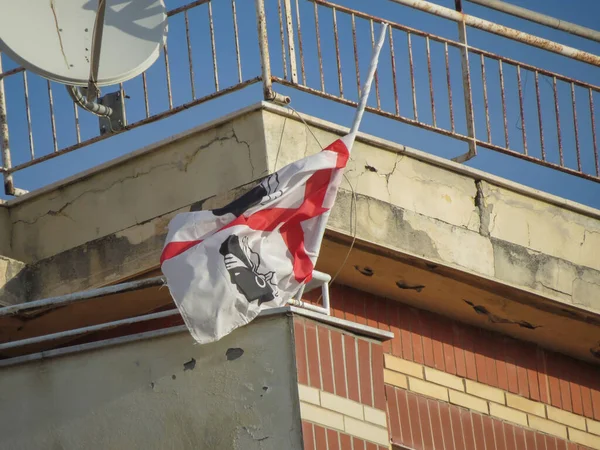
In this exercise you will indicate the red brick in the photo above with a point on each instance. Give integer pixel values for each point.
(359, 306)
(479, 348)
(565, 389)
(520, 355)
(501, 365)
(511, 367)
(572, 446)
(509, 436)
(467, 344)
(553, 379)
(540, 441)
(300, 342)
(402, 399)
(377, 373)
(393, 414)
(551, 443)
(530, 440)
(448, 345)
(358, 444)
(478, 431)
(594, 384)
(425, 422)
(459, 353)
(520, 439)
(436, 423)
(351, 368)
(581, 370)
(490, 362)
(383, 320)
(447, 426)
(372, 310)
(364, 371)
(332, 440)
(428, 357)
(349, 305)
(457, 431)
(437, 341)
(561, 444)
(542, 376)
(415, 421)
(534, 387)
(381, 447)
(308, 436)
(320, 438)
(337, 306)
(345, 441)
(405, 333)
(395, 328)
(325, 358)
(576, 397)
(371, 446)
(415, 335)
(488, 432)
(467, 429)
(313, 355)
(339, 369)
(499, 436)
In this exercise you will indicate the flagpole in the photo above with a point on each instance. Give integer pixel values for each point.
(366, 90)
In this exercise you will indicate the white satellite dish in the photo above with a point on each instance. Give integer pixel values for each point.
(54, 38)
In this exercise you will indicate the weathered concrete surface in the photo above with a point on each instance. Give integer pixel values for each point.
(12, 288)
(5, 227)
(169, 176)
(159, 393)
(110, 225)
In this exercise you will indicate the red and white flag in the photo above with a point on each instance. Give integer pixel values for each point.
(226, 265)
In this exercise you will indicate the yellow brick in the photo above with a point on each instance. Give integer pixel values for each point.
(321, 416)
(468, 401)
(518, 402)
(483, 391)
(308, 394)
(395, 378)
(547, 426)
(587, 439)
(342, 405)
(366, 431)
(593, 426)
(429, 389)
(403, 366)
(445, 379)
(567, 418)
(375, 416)
(509, 414)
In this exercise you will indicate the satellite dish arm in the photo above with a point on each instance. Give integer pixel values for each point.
(92, 92)
(94, 108)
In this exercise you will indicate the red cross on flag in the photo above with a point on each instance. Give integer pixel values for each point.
(223, 267)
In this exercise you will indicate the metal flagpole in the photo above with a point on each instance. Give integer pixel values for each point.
(364, 96)
(362, 104)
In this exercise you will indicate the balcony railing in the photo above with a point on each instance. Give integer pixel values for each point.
(446, 86)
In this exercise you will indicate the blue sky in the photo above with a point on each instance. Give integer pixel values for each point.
(548, 180)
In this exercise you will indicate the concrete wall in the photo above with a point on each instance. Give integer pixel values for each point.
(110, 224)
(149, 395)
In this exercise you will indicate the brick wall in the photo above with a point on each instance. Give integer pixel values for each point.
(493, 378)
(341, 388)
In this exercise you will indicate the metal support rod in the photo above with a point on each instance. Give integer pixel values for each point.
(542, 19)
(263, 43)
(92, 88)
(89, 329)
(501, 30)
(290, 40)
(467, 92)
(85, 295)
(9, 187)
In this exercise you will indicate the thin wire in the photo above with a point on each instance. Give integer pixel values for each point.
(352, 207)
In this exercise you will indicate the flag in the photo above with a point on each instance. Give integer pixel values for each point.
(223, 267)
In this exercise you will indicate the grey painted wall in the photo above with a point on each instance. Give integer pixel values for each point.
(143, 395)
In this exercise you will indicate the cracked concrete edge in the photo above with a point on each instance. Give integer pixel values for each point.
(475, 174)
(5, 231)
(11, 293)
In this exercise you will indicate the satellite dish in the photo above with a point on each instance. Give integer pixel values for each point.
(54, 38)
